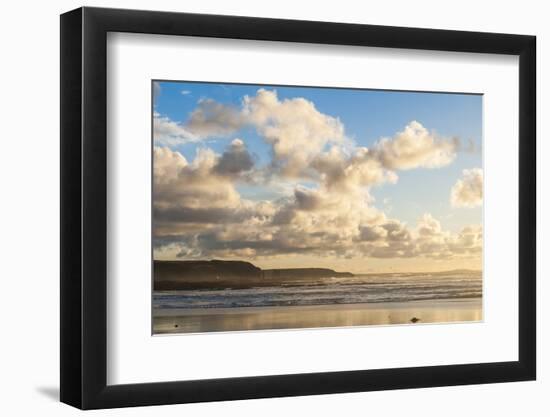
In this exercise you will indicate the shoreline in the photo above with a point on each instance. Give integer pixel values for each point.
(316, 316)
(166, 312)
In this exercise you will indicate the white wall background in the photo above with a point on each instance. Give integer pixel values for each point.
(29, 237)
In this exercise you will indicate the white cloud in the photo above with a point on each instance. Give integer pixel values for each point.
(185, 92)
(169, 133)
(468, 191)
(428, 226)
(326, 208)
(198, 209)
(199, 213)
(434, 242)
(192, 185)
(294, 128)
(416, 147)
(342, 173)
(191, 197)
(213, 119)
(156, 89)
(167, 165)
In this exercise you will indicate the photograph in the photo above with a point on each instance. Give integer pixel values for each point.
(292, 207)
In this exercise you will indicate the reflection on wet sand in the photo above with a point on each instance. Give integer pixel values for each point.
(296, 317)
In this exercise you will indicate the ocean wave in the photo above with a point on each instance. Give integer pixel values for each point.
(362, 289)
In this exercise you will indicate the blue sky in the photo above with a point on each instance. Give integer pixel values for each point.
(367, 116)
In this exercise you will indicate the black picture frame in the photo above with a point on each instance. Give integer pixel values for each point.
(84, 207)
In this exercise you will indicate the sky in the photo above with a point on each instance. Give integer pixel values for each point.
(351, 179)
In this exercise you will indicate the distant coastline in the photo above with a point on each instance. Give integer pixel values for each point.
(220, 274)
(188, 275)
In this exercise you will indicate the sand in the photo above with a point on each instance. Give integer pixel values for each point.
(300, 317)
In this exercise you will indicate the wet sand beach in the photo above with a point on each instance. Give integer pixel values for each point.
(299, 317)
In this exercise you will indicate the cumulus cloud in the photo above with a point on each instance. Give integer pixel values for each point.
(416, 147)
(207, 218)
(166, 132)
(202, 192)
(213, 119)
(468, 191)
(468, 241)
(299, 135)
(199, 213)
(393, 239)
(428, 226)
(167, 165)
(325, 207)
(372, 233)
(342, 173)
(295, 129)
(200, 199)
(235, 160)
(198, 207)
(193, 185)
(434, 242)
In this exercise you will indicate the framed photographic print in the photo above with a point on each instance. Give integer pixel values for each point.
(257, 208)
(269, 213)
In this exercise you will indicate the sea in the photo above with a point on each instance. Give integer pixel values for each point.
(368, 288)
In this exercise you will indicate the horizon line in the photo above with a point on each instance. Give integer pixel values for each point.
(318, 267)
